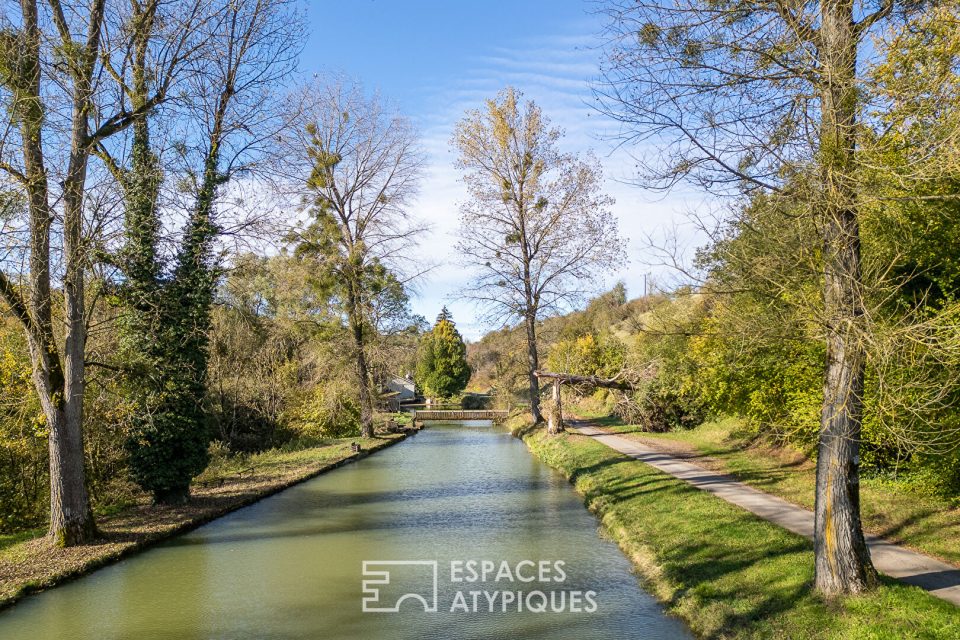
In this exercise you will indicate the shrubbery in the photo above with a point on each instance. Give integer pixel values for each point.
(330, 411)
(755, 354)
(472, 401)
(23, 438)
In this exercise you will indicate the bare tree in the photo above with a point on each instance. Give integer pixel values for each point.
(537, 228)
(55, 61)
(364, 165)
(764, 97)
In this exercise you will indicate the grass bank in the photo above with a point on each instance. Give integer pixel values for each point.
(30, 563)
(726, 572)
(900, 511)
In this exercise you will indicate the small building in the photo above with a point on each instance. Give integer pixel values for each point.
(405, 388)
(396, 391)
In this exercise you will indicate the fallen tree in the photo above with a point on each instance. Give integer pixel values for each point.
(555, 419)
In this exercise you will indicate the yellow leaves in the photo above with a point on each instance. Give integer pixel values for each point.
(918, 71)
(329, 410)
(11, 371)
(503, 118)
(586, 343)
(39, 426)
(16, 388)
(502, 138)
(588, 354)
(22, 422)
(502, 131)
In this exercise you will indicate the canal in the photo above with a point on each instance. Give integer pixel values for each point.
(499, 544)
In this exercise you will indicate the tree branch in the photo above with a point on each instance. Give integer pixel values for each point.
(607, 383)
(18, 305)
(864, 25)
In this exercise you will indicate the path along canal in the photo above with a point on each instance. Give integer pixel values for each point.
(291, 566)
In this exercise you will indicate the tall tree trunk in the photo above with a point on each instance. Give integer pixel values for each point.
(533, 364)
(363, 380)
(363, 371)
(532, 306)
(842, 559)
(59, 385)
(71, 519)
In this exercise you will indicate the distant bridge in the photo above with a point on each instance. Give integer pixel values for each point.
(460, 414)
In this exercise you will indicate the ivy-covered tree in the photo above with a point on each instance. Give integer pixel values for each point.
(164, 443)
(442, 368)
(168, 303)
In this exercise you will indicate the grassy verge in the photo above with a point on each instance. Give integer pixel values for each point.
(29, 563)
(8, 540)
(726, 572)
(898, 511)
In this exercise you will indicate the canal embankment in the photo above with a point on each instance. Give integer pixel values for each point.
(36, 564)
(310, 562)
(723, 570)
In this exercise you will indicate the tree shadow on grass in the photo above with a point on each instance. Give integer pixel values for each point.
(723, 571)
(739, 597)
(892, 529)
(605, 421)
(597, 467)
(528, 429)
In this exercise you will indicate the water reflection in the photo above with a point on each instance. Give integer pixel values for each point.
(290, 566)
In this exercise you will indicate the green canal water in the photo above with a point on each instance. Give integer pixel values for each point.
(458, 497)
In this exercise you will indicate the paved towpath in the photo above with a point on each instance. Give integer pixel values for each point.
(939, 578)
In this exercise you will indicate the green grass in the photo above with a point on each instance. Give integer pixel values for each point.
(728, 573)
(224, 467)
(8, 540)
(896, 511)
(290, 456)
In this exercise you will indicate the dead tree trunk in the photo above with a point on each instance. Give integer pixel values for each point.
(555, 423)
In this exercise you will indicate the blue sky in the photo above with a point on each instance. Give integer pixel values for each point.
(437, 59)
